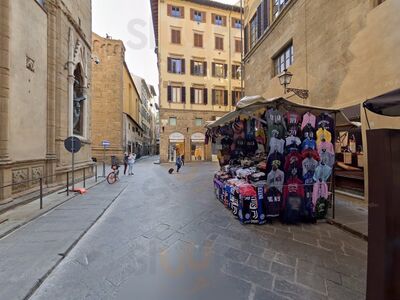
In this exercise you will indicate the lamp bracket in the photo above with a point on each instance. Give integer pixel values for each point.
(299, 92)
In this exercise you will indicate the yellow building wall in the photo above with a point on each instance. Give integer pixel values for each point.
(188, 51)
(130, 96)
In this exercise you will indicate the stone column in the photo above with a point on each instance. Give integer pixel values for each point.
(51, 89)
(4, 77)
(5, 171)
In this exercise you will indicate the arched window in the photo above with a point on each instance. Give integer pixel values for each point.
(78, 102)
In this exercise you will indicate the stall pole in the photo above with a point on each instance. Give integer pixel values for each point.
(333, 173)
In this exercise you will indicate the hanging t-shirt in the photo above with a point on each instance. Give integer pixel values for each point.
(325, 121)
(309, 144)
(273, 202)
(310, 153)
(327, 146)
(226, 142)
(276, 145)
(251, 146)
(292, 118)
(276, 179)
(276, 130)
(275, 158)
(308, 132)
(293, 160)
(292, 143)
(323, 133)
(320, 190)
(309, 165)
(327, 158)
(308, 119)
(273, 116)
(322, 172)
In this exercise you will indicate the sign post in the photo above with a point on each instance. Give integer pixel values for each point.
(73, 145)
(106, 144)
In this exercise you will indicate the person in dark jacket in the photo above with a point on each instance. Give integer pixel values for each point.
(183, 159)
(125, 162)
(178, 163)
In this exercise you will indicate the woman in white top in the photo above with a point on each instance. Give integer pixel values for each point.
(131, 161)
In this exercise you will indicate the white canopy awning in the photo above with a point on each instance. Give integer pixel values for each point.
(250, 104)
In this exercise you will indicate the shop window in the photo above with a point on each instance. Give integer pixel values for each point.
(238, 46)
(219, 70)
(198, 40)
(172, 121)
(219, 43)
(176, 65)
(283, 60)
(278, 6)
(236, 72)
(198, 68)
(175, 36)
(198, 122)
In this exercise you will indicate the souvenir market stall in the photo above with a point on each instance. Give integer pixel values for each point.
(277, 160)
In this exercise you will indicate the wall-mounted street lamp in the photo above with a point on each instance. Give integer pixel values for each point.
(285, 79)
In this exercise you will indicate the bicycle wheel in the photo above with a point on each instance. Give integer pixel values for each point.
(111, 178)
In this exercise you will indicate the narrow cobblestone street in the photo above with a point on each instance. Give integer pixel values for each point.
(167, 237)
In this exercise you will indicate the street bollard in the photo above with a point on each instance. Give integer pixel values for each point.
(67, 183)
(41, 192)
(84, 178)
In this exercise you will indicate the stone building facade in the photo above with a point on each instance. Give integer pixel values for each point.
(44, 91)
(199, 50)
(116, 101)
(341, 51)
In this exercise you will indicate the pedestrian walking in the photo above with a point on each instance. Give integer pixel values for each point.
(178, 163)
(183, 159)
(125, 162)
(131, 162)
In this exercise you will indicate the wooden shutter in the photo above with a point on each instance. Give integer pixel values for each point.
(205, 68)
(169, 65)
(213, 97)
(213, 18)
(259, 21)
(191, 67)
(205, 96)
(191, 95)
(226, 98)
(182, 9)
(183, 63)
(213, 69)
(178, 36)
(183, 96)
(200, 40)
(192, 14)
(169, 10)
(233, 22)
(233, 98)
(223, 21)
(203, 16)
(169, 93)
(246, 40)
(266, 14)
(225, 70)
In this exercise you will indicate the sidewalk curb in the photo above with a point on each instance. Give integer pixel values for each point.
(348, 229)
(69, 249)
(8, 232)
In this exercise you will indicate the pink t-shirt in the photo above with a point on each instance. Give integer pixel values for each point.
(308, 118)
(327, 146)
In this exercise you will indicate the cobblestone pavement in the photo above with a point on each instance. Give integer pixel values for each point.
(167, 237)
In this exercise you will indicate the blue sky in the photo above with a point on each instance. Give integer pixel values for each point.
(130, 21)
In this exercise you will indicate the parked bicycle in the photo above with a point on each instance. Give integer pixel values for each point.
(113, 177)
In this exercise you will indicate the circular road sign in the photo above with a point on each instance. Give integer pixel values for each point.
(73, 144)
